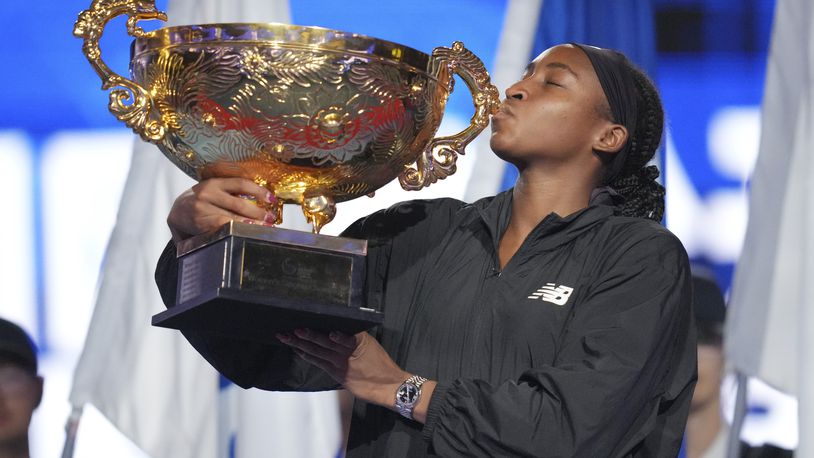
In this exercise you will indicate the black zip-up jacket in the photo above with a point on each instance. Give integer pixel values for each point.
(582, 346)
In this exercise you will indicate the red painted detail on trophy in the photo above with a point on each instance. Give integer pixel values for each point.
(330, 128)
(388, 114)
(223, 118)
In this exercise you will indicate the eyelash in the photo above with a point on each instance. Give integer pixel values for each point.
(528, 75)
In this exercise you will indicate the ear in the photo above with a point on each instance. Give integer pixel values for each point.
(611, 139)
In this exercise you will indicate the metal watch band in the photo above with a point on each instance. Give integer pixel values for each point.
(406, 408)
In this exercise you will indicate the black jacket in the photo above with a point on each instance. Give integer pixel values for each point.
(583, 345)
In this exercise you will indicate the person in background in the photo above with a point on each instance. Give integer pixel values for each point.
(707, 432)
(20, 389)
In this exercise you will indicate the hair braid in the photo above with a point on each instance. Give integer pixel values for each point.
(636, 182)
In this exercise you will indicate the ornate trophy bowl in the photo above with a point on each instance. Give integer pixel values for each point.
(317, 116)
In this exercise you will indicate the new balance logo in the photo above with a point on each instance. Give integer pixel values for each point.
(555, 294)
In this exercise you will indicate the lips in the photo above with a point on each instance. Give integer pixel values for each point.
(503, 113)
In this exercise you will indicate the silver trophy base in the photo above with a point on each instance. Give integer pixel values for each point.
(251, 282)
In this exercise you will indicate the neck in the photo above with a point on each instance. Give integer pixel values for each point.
(703, 426)
(537, 193)
(15, 448)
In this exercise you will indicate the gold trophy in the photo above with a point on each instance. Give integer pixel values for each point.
(317, 116)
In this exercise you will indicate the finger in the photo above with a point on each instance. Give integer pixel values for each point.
(321, 339)
(204, 218)
(320, 363)
(253, 194)
(348, 341)
(245, 186)
(208, 217)
(333, 358)
(225, 201)
(270, 216)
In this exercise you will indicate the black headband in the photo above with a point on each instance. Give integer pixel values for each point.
(617, 82)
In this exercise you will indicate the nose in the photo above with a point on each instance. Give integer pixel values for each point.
(515, 92)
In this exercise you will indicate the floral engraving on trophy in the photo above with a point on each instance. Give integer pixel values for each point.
(387, 83)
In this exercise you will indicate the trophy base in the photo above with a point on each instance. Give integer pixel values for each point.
(251, 282)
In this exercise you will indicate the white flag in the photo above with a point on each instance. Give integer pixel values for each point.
(768, 331)
(143, 378)
(149, 382)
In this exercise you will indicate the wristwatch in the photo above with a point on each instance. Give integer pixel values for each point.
(408, 394)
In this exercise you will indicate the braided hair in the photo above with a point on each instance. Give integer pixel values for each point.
(636, 181)
(634, 102)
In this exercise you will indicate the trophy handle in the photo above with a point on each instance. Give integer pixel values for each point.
(130, 103)
(437, 161)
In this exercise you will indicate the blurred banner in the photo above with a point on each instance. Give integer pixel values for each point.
(149, 382)
(772, 307)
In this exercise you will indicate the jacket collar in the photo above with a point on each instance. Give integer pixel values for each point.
(553, 230)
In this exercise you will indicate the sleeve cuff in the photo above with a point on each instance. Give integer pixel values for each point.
(439, 395)
(166, 274)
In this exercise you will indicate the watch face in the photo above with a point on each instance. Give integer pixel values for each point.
(407, 393)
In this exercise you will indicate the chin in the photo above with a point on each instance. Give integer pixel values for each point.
(504, 153)
(499, 148)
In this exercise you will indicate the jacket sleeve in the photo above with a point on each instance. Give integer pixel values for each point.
(627, 358)
(247, 364)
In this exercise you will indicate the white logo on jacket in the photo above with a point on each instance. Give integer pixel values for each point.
(555, 294)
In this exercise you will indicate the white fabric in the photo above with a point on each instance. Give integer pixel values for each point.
(149, 382)
(183, 12)
(768, 330)
(514, 48)
(143, 378)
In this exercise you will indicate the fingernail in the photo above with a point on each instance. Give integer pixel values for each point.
(270, 218)
(271, 198)
(301, 333)
(249, 221)
(285, 338)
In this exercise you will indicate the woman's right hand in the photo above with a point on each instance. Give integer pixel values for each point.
(214, 202)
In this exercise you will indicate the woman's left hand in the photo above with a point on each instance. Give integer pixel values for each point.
(358, 362)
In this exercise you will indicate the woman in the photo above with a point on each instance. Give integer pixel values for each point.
(550, 320)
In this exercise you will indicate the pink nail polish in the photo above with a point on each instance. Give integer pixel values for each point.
(270, 217)
(271, 198)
